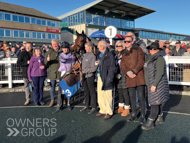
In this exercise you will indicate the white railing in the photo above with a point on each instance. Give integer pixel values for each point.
(8, 69)
(178, 71)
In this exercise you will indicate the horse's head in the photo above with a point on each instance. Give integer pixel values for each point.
(79, 42)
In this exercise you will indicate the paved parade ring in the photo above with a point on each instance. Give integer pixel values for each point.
(75, 126)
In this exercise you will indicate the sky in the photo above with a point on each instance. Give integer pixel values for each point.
(170, 15)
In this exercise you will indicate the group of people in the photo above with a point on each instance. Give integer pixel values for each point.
(136, 70)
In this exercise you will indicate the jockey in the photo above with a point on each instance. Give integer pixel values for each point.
(66, 62)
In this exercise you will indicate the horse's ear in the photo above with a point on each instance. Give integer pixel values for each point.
(77, 33)
(83, 33)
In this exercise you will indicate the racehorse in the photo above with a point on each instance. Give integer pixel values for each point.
(74, 75)
(78, 50)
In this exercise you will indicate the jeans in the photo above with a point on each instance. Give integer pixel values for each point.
(123, 96)
(52, 90)
(141, 96)
(89, 92)
(38, 83)
(146, 98)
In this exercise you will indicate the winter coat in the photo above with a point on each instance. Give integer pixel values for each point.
(34, 67)
(23, 58)
(107, 70)
(65, 61)
(155, 74)
(2, 52)
(53, 64)
(88, 64)
(133, 60)
(121, 81)
(180, 52)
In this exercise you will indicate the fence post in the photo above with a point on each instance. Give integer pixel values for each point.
(10, 73)
(167, 66)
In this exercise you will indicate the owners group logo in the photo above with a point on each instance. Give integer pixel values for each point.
(31, 127)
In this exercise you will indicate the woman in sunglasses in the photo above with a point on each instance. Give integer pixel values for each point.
(121, 81)
(157, 84)
(132, 65)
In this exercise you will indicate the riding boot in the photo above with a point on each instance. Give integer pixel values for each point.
(149, 124)
(59, 108)
(133, 117)
(159, 120)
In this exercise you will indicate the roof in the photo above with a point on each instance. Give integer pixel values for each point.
(121, 7)
(7, 7)
(157, 31)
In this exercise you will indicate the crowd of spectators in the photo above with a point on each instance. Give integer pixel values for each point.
(122, 65)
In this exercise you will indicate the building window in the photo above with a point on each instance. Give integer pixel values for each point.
(49, 36)
(53, 36)
(113, 22)
(39, 35)
(21, 19)
(95, 19)
(82, 17)
(57, 36)
(101, 21)
(34, 35)
(7, 16)
(16, 34)
(15, 18)
(52, 23)
(131, 24)
(57, 24)
(39, 22)
(2, 32)
(123, 23)
(27, 20)
(89, 19)
(118, 23)
(73, 19)
(27, 33)
(108, 21)
(33, 20)
(127, 24)
(43, 35)
(7, 33)
(44, 22)
(21, 34)
(48, 23)
(1, 16)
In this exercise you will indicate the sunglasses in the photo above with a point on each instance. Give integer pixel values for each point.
(119, 46)
(127, 41)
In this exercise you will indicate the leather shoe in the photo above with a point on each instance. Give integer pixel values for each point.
(99, 114)
(108, 116)
(92, 111)
(143, 119)
(132, 118)
(83, 109)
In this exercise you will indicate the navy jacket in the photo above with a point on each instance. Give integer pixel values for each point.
(2, 52)
(22, 61)
(107, 70)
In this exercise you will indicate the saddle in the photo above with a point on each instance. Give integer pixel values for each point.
(71, 79)
(73, 76)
